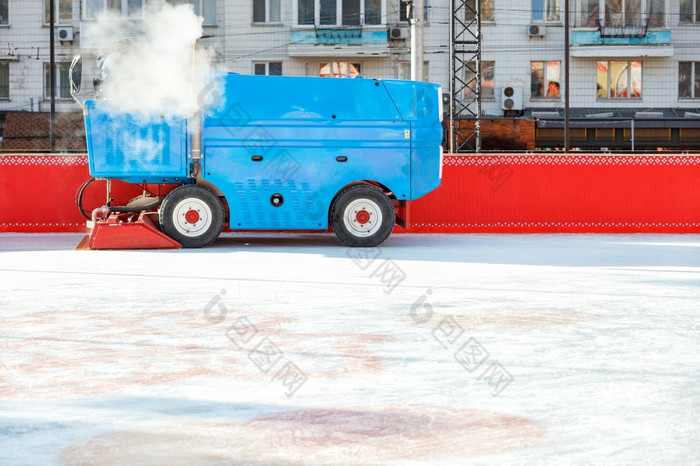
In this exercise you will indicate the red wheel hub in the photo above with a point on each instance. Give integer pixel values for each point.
(362, 217)
(192, 216)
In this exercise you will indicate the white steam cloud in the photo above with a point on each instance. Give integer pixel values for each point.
(158, 71)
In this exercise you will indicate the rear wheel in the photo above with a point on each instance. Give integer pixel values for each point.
(362, 216)
(192, 215)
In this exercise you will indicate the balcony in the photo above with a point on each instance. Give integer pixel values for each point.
(629, 29)
(628, 40)
(339, 41)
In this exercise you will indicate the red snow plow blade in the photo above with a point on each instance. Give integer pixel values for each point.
(127, 231)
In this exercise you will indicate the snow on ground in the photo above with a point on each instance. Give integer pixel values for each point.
(291, 349)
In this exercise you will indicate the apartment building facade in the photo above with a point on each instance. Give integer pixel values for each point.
(624, 53)
(630, 55)
(260, 36)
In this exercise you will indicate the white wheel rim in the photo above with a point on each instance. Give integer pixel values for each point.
(192, 217)
(362, 217)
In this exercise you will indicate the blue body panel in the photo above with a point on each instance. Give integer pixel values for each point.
(133, 147)
(419, 103)
(281, 148)
(299, 141)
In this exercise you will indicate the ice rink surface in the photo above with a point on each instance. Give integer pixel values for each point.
(292, 349)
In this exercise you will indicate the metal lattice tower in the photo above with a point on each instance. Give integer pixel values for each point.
(465, 72)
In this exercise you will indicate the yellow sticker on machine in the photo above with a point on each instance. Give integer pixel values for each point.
(407, 134)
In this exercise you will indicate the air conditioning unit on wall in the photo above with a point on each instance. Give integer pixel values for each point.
(536, 30)
(397, 32)
(512, 98)
(65, 33)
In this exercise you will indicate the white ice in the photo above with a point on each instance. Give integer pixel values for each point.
(431, 349)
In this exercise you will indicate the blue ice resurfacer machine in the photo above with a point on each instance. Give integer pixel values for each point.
(274, 153)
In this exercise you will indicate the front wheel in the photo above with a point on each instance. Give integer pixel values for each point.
(362, 216)
(192, 215)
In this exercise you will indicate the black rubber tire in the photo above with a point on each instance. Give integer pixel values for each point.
(362, 197)
(209, 210)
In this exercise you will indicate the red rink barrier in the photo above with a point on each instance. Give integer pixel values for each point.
(479, 193)
(563, 193)
(37, 193)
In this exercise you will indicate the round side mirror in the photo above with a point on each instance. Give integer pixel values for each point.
(76, 74)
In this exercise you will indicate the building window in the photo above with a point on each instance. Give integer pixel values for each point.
(689, 80)
(340, 69)
(4, 81)
(405, 70)
(545, 10)
(544, 79)
(134, 7)
(62, 81)
(273, 68)
(404, 7)
(204, 8)
(63, 13)
(123, 7)
(656, 12)
(486, 10)
(305, 12)
(267, 11)
(339, 12)
(590, 13)
(622, 12)
(690, 11)
(619, 79)
(4, 19)
(487, 73)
